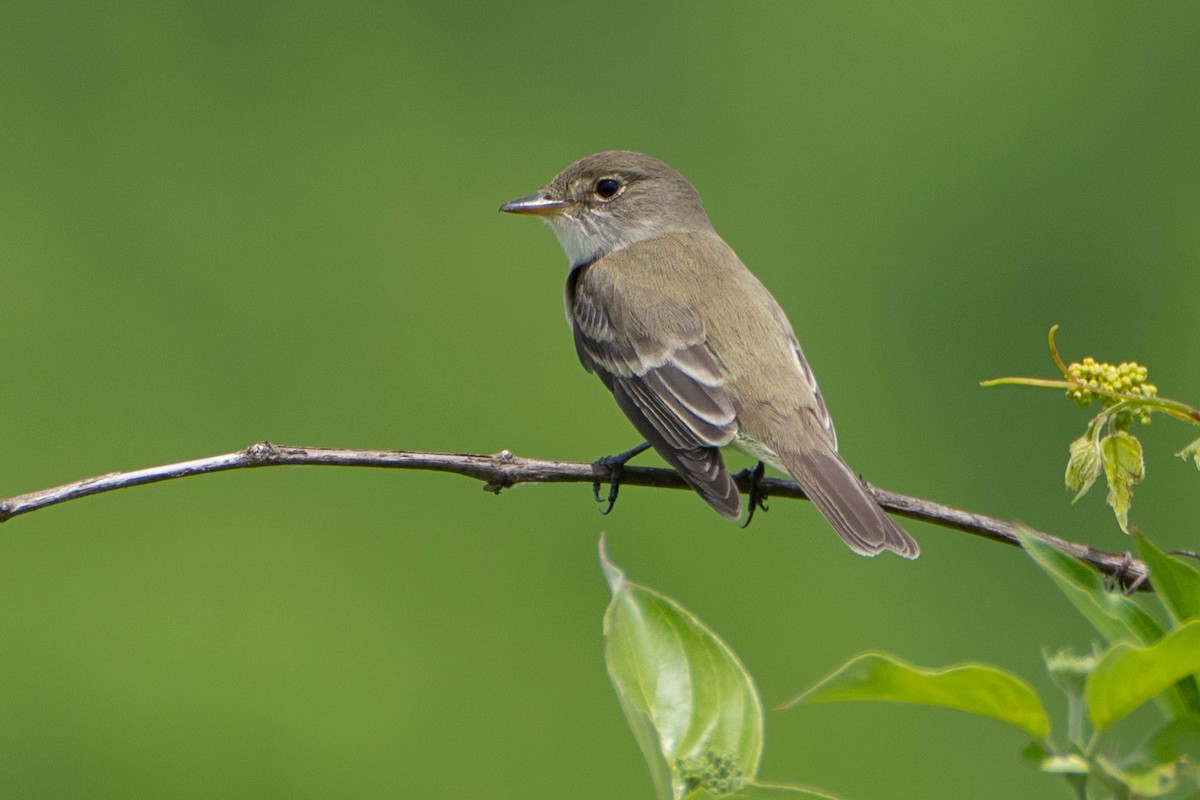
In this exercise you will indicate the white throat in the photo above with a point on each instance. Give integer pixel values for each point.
(588, 238)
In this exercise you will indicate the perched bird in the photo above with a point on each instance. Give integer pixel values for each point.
(693, 347)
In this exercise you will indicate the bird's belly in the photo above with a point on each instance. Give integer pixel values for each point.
(756, 450)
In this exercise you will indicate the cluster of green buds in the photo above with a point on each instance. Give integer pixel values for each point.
(1127, 379)
(716, 773)
(1069, 671)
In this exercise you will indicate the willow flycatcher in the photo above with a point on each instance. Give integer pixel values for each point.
(694, 349)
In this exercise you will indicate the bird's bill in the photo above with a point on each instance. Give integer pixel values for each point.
(540, 204)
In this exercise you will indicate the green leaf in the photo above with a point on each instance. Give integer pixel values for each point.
(1192, 451)
(765, 791)
(1128, 675)
(1176, 580)
(1123, 469)
(1084, 465)
(1118, 618)
(690, 702)
(974, 688)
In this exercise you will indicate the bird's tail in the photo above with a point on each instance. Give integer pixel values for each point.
(839, 494)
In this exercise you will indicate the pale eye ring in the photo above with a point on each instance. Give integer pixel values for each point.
(607, 188)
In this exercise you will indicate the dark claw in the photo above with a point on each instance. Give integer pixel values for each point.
(757, 497)
(614, 488)
(615, 465)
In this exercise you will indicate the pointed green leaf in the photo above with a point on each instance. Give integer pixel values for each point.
(1192, 451)
(688, 698)
(1176, 580)
(1118, 618)
(766, 791)
(1124, 469)
(1084, 465)
(975, 688)
(1129, 675)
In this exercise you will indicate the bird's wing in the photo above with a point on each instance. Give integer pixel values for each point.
(663, 376)
(820, 413)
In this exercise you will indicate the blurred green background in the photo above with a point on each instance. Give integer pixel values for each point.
(226, 222)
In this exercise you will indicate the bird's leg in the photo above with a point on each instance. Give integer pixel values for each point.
(1122, 580)
(614, 465)
(757, 497)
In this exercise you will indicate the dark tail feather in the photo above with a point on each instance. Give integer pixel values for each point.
(838, 494)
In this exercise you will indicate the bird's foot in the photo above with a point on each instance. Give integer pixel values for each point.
(1123, 578)
(757, 496)
(614, 465)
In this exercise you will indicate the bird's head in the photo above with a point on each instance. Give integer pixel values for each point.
(611, 200)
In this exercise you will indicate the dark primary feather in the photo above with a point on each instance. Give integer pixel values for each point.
(669, 386)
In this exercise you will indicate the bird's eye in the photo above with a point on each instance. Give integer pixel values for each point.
(607, 188)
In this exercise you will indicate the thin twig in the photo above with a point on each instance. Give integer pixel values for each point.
(503, 469)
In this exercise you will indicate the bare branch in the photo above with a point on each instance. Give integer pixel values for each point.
(503, 469)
